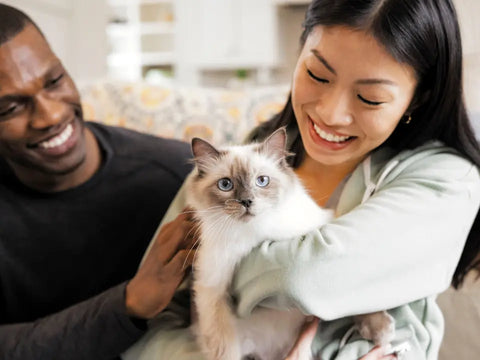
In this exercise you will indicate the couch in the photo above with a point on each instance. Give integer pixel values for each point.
(225, 116)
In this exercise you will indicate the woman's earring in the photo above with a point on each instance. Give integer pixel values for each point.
(408, 119)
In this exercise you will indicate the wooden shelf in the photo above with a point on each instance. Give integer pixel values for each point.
(234, 64)
(143, 59)
(157, 58)
(156, 2)
(137, 2)
(114, 29)
(292, 2)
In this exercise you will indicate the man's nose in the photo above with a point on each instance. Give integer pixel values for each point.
(334, 109)
(48, 112)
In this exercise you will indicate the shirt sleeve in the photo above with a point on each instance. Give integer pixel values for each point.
(399, 246)
(95, 329)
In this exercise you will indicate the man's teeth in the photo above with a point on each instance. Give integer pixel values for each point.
(329, 137)
(59, 139)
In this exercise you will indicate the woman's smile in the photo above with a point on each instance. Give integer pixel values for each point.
(328, 138)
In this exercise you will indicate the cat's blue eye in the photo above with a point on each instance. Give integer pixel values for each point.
(262, 181)
(225, 184)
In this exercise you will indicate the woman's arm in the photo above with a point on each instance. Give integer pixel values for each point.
(401, 245)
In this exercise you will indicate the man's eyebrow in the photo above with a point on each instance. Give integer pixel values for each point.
(11, 98)
(323, 61)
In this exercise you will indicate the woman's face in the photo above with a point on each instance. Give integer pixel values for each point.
(348, 94)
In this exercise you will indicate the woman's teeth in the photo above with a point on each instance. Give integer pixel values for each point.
(58, 140)
(330, 137)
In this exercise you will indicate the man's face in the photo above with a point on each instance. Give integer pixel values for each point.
(41, 124)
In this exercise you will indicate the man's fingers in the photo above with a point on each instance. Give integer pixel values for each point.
(173, 236)
(183, 259)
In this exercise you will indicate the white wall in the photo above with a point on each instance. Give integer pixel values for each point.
(76, 32)
(468, 11)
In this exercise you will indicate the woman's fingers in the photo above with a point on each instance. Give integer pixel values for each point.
(377, 353)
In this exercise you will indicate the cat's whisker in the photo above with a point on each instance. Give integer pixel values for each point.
(196, 229)
(210, 209)
(196, 234)
(218, 223)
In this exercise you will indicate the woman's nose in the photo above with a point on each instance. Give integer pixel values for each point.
(334, 109)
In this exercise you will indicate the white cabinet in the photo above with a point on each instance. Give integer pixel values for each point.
(141, 36)
(75, 31)
(205, 42)
(221, 37)
(468, 11)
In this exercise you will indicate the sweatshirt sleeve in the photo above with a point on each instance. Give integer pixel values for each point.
(95, 329)
(399, 246)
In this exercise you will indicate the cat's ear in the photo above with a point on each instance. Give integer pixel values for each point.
(275, 144)
(203, 153)
(202, 148)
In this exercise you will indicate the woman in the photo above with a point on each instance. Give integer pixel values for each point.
(377, 121)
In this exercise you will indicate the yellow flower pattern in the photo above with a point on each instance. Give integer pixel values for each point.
(216, 114)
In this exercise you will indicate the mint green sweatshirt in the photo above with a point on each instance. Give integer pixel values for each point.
(402, 221)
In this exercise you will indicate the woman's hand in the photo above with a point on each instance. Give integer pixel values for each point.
(302, 348)
(377, 354)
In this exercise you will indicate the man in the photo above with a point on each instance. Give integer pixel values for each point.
(79, 203)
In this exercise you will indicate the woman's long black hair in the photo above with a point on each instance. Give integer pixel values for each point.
(425, 35)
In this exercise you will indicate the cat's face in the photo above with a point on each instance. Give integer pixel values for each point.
(241, 182)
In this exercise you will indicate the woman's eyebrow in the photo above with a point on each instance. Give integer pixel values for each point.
(323, 61)
(374, 81)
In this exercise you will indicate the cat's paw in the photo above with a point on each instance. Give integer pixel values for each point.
(378, 327)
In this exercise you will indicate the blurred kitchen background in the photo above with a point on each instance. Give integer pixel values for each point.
(206, 43)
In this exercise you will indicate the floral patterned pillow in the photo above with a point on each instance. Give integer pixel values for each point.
(216, 114)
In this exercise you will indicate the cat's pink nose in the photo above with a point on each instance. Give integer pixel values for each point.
(247, 203)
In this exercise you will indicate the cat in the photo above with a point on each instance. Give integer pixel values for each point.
(243, 195)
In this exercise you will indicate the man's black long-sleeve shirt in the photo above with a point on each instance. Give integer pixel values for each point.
(65, 257)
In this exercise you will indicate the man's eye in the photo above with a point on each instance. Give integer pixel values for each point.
(55, 81)
(368, 101)
(8, 111)
(316, 78)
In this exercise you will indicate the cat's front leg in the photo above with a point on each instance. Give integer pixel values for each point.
(216, 325)
(378, 327)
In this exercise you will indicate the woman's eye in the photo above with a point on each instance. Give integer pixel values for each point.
(368, 101)
(316, 78)
(55, 80)
(262, 181)
(225, 184)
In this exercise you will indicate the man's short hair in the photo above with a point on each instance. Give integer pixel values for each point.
(13, 21)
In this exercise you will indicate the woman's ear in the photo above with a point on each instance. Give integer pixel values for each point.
(420, 98)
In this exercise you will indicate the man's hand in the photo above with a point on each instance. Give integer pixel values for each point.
(164, 268)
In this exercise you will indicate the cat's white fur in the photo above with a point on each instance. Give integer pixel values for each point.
(225, 239)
